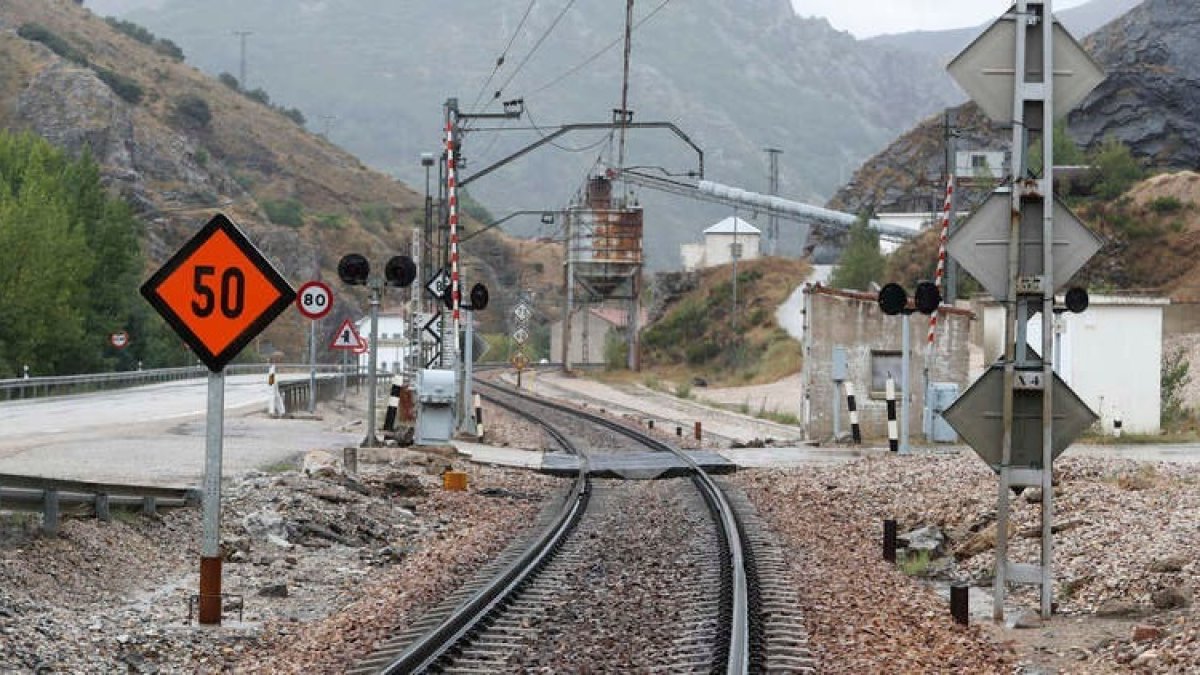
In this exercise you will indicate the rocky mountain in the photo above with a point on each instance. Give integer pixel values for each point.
(737, 77)
(179, 146)
(1147, 102)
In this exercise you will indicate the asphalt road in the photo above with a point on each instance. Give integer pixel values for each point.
(156, 434)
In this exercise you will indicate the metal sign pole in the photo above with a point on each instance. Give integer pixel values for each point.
(905, 366)
(1011, 313)
(210, 553)
(371, 441)
(1047, 306)
(312, 364)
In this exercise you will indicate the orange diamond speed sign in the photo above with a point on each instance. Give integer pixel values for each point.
(218, 292)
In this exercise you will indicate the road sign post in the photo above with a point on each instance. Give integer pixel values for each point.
(1025, 71)
(314, 300)
(217, 292)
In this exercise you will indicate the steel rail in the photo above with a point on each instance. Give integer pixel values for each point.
(738, 658)
(428, 650)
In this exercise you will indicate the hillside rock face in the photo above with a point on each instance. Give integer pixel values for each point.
(1150, 98)
(1148, 101)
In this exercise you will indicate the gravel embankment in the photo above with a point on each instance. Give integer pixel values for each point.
(322, 570)
(1125, 560)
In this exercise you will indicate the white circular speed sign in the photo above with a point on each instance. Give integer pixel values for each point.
(314, 299)
(119, 339)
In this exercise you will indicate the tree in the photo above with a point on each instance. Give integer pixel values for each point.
(69, 266)
(1115, 168)
(861, 262)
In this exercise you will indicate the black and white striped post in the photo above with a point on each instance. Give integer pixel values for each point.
(389, 420)
(893, 426)
(852, 406)
(478, 416)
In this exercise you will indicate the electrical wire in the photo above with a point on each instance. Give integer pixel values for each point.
(604, 139)
(592, 59)
(503, 55)
(537, 45)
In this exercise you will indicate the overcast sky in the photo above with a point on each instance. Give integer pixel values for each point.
(865, 18)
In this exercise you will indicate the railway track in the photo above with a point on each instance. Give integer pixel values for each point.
(615, 576)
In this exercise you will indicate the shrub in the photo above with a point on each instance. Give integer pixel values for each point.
(683, 390)
(229, 81)
(132, 30)
(294, 115)
(700, 352)
(285, 212)
(169, 49)
(202, 157)
(1164, 205)
(332, 221)
(377, 213)
(1175, 375)
(125, 87)
(36, 32)
(259, 95)
(193, 111)
(616, 351)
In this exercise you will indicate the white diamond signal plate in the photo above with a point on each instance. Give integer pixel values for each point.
(978, 416)
(981, 244)
(985, 68)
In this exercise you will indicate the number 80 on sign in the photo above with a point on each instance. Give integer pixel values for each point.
(314, 300)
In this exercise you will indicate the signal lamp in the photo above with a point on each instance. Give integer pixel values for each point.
(400, 271)
(893, 299)
(479, 297)
(1077, 300)
(928, 297)
(353, 270)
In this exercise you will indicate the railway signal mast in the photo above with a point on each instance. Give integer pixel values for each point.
(1025, 70)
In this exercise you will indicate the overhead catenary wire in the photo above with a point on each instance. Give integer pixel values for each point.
(603, 50)
(537, 45)
(503, 56)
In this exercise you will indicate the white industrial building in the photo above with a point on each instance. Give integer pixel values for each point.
(720, 243)
(1110, 355)
(393, 341)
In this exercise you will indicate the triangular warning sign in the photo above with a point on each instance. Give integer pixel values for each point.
(346, 337)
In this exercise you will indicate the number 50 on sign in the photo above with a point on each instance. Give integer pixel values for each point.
(218, 292)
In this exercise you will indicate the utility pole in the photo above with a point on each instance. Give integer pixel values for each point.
(327, 124)
(624, 114)
(243, 34)
(773, 190)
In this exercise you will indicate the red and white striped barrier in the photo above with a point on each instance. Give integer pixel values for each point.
(941, 265)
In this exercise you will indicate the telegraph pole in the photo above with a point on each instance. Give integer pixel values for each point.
(773, 190)
(243, 34)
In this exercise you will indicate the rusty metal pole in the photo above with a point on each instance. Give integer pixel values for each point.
(959, 603)
(889, 540)
(210, 553)
(697, 431)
